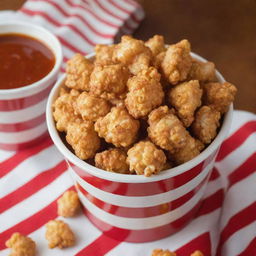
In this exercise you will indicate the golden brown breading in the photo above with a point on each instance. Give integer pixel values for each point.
(118, 127)
(202, 71)
(161, 252)
(166, 130)
(21, 245)
(177, 62)
(145, 93)
(63, 109)
(104, 54)
(133, 53)
(207, 121)
(68, 204)
(219, 96)
(145, 158)
(59, 234)
(168, 165)
(78, 72)
(83, 139)
(109, 82)
(113, 160)
(197, 253)
(91, 107)
(186, 98)
(156, 44)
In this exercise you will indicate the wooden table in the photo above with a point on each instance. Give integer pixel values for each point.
(221, 31)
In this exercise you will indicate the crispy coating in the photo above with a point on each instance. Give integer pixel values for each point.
(207, 121)
(63, 109)
(168, 165)
(113, 160)
(219, 96)
(109, 82)
(133, 53)
(161, 252)
(145, 93)
(166, 130)
(118, 127)
(156, 44)
(145, 158)
(83, 139)
(197, 253)
(21, 245)
(59, 234)
(68, 204)
(186, 98)
(177, 62)
(202, 71)
(104, 54)
(78, 72)
(91, 107)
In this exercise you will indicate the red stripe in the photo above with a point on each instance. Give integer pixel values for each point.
(32, 186)
(135, 4)
(215, 174)
(236, 139)
(7, 165)
(250, 249)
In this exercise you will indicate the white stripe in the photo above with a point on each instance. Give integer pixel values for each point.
(142, 223)
(23, 115)
(142, 201)
(126, 5)
(35, 203)
(4, 155)
(109, 6)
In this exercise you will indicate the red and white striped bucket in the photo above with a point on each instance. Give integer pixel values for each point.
(135, 208)
(22, 110)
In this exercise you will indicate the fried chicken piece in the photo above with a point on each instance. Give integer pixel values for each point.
(91, 107)
(161, 252)
(145, 158)
(166, 130)
(133, 53)
(156, 44)
(109, 82)
(104, 54)
(59, 234)
(113, 160)
(186, 98)
(219, 96)
(63, 109)
(118, 127)
(78, 72)
(197, 253)
(68, 204)
(168, 165)
(202, 71)
(177, 62)
(83, 139)
(207, 121)
(145, 93)
(21, 245)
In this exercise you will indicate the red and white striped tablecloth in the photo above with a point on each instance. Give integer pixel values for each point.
(32, 180)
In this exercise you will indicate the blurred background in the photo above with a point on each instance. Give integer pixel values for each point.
(222, 31)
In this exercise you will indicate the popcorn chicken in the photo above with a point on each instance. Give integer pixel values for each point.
(161, 252)
(83, 139)
(206, 123)
(133, 53)
(91, 107)
(78, 72)
(21, 245)
(145, 158)
(113, 160)
(186, 98)
(59, 234)
(177, 62)
(118, 127)
(202, 71)
(104, 54)
(166, 130)
(197, 253)
(219, 96)
(63, 109)
(156, 44)
(145, 93)
(68, 204)
(109, 82)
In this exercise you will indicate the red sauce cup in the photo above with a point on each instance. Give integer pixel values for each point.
(135, 208)
(22, 110)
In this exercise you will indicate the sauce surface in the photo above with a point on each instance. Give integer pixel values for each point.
(23, 60)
